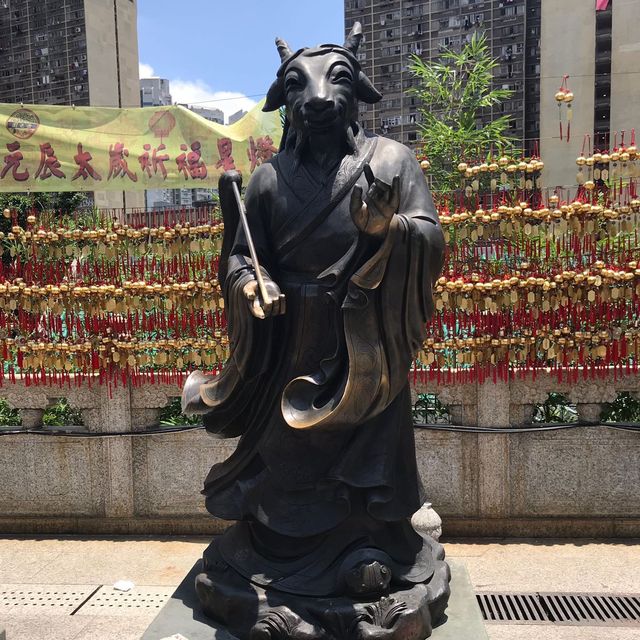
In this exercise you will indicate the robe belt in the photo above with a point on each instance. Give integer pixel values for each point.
(290, 278)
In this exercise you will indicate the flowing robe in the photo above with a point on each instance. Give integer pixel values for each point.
(326, 462)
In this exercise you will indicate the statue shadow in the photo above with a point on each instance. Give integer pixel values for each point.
(183, 615)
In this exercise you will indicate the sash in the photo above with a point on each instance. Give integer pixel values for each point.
(348, 174)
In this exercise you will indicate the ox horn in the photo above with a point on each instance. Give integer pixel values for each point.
(353, 39)
(283, 49)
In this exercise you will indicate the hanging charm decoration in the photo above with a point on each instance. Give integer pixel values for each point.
(533, 281)
(564, 97)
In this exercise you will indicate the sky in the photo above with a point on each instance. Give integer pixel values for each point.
(221, 53)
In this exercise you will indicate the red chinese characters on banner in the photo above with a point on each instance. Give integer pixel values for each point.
(145, 160)
(49, 164)
(118, 165)
(85, 170)
(225, 149)
(12, 163)
(192, 164)
(260, 150)
(151, 164)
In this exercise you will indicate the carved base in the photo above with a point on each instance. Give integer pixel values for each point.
(251, 612)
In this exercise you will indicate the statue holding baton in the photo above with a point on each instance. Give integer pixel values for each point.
(340, 225)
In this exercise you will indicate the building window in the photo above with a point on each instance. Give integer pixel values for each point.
(393, 121)
(449, 42)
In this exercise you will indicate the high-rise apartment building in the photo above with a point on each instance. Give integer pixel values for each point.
(395, 29)
(537, 43)
(601, 56)
(82, 52)
(69, 52)
(155, 92)
(44, 52)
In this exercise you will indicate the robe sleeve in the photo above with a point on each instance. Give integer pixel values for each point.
(388, 302)
(222, 398)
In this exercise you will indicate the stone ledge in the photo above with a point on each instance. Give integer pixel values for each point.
(560, 527)
(186, 525)
(453, 526)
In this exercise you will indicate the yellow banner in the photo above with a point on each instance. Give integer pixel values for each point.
(59, 148)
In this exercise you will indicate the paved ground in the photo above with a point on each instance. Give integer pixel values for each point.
(43, 580)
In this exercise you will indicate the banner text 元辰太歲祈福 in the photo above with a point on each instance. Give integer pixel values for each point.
(60, 148)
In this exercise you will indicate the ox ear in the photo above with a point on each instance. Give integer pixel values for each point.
(275, 96)
(366, 91)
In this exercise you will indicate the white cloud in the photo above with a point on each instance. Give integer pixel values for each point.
(199, 93)
(146, 71)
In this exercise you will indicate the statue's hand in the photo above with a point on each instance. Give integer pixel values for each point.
(273, 306)
(373, 215)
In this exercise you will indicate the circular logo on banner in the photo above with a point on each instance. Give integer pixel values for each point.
(162, 123)
(23, 123)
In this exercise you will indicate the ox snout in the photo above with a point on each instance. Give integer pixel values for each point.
(318, 106)
(320, 113)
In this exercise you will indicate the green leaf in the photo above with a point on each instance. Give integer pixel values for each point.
(453, 91)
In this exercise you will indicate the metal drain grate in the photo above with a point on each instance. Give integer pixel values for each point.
(50, 599)
(561, 608)
(109, 602)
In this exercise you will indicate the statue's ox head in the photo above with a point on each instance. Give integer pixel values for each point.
(321, 86)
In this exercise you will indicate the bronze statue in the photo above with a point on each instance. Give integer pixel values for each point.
(324, 480)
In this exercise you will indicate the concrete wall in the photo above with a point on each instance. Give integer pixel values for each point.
(128, 47)
(102, 53)
(113, 65)
(625, 67)
(567, 47)
(108, 55)
(582, 482)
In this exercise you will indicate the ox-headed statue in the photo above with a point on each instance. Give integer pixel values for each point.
(324, 480)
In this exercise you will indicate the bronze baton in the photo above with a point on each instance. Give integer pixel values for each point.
(252, 248)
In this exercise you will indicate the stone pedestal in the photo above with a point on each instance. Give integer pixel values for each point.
(31, 419)
(369, 606)
(182, 614)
